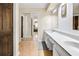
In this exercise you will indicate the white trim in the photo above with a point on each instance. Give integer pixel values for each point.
(16, 29)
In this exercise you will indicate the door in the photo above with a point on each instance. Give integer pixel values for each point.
(6, 29)
(21, 26)
(75, 22)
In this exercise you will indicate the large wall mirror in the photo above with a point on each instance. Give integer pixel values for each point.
(76, 16)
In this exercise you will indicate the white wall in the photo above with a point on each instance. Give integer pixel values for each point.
(32, 10)
(46, 22)
(26, 25)
(66, 23)
(16, 30)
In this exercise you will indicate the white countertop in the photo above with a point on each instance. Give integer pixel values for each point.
(61, 39)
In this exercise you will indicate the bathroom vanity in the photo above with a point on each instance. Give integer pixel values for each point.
(60, 44)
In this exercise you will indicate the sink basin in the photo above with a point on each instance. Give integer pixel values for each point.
(72, 44)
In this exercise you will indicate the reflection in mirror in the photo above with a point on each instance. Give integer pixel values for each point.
(76, 16)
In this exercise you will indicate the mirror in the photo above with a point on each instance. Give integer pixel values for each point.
(76, 16)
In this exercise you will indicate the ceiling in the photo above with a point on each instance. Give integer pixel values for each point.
(33, 5)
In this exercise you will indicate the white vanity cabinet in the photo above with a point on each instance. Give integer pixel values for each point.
(54, 46)
(55, 53)
(59, 50)
(48, 43)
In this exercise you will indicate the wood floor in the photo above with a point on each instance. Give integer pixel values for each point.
(28, 47)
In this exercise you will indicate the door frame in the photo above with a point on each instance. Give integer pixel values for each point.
(16, 31)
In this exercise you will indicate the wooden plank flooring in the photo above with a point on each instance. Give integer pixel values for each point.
(28, 47)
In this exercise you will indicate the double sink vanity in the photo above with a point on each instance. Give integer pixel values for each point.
(61, 44)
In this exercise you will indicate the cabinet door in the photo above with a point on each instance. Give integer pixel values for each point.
(60, 50)
(55, 53)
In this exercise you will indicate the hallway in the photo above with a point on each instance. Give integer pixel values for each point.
(42, 30)
(32, 25)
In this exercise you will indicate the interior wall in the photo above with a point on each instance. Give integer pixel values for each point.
(46, 22)
(27, 25)
(16, 30)
(66, 23)
(32, 10)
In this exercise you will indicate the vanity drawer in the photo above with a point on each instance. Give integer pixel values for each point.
(61, 51)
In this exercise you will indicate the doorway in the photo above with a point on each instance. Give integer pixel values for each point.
(26, 26)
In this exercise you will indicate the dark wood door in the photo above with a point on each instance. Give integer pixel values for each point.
(6, 29)
(21, 26)
(75, 22)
